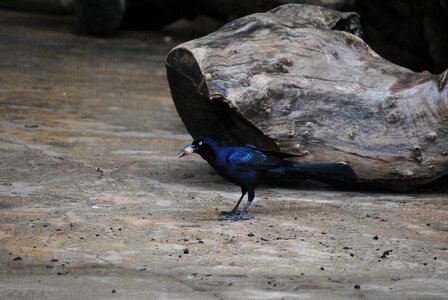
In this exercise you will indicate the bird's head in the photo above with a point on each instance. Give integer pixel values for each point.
(203, 146)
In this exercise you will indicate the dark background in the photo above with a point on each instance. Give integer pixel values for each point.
(411, 33)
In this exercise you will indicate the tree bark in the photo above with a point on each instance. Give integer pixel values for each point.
(299, 79)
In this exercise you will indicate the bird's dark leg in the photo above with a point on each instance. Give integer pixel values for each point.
(235, 210)
(241, 215)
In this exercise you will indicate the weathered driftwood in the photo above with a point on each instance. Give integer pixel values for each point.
(294, 79)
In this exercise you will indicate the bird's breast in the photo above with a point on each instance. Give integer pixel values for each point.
(235, 175)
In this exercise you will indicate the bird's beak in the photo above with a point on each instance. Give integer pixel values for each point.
(190, 149)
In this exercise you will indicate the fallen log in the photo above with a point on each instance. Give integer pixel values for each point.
(299, 79)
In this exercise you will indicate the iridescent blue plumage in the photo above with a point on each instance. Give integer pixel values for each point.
(249, 167)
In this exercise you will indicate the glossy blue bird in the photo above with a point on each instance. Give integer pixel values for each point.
(250, 167)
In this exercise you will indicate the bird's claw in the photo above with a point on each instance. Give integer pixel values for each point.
(236, 217)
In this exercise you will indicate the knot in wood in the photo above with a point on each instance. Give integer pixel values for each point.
(409, 173)
(306, 133)
(390, 102)
(404, 173)
(393, 117)
(431, 136)
(291, 132)
(286, 61)
(349, 40)
(445, 153)
(418, 159)
(208, 77)
(417, 150)
(278, 67)
(245, 82)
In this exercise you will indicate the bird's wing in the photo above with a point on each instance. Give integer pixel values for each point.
(272, 152)
(251, 158)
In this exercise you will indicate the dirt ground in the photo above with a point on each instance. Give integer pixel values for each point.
(94, 203)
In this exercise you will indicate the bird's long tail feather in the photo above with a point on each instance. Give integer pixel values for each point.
(332, 171)
(339, 172)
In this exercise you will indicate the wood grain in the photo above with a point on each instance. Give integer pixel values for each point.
(300, 79)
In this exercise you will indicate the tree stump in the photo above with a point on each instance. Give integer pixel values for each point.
(299, 79)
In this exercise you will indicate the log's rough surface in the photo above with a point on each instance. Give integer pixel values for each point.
(300, 79)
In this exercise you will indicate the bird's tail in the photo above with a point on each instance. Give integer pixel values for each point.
(334, 172)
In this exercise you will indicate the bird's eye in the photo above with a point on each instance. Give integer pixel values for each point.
(200, 143)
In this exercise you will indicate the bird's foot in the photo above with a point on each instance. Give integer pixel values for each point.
(236, 217)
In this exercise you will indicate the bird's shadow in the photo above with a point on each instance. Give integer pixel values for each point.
(200, 175)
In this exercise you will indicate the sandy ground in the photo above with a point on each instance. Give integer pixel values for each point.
(94, 203)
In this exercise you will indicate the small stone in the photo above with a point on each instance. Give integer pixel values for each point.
(186, 251)
(357, 287)
(375, 237)
(113, 291)
(17, 258)
(250, 234)
(386, 253)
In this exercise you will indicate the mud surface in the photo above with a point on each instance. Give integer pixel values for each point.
(95, 204)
